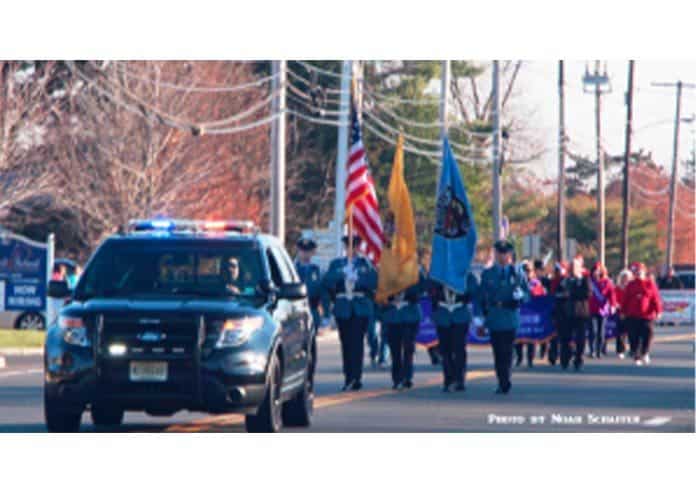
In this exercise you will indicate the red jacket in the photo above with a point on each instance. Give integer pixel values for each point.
(606, 288)
(619, 292)
(536, 289)
(641, 300)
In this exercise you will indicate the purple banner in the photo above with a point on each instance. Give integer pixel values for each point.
(535, 324)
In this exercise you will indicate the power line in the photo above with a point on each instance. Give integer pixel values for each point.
(195, 89)
(429, 142)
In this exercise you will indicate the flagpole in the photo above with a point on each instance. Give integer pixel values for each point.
(350, 233)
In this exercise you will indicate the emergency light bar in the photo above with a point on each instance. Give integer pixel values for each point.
(192, 226)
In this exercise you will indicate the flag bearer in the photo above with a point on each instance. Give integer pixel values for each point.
(452, 317)
(350, 283)
(503, 290)
(399, 280)
(401, 317)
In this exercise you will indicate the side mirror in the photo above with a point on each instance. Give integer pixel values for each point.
(58, 289)
(266, 287)
(293, 291)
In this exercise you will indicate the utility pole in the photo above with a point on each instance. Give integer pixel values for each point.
(627, 170)
(601, 86)
(278, 150)
(342, 153)
(444, 108)
(675, 168)
(497, 186)
(561, 164)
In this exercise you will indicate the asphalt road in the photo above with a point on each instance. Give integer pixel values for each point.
(609, 395)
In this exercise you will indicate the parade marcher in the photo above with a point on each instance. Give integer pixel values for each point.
(545, 280)
(621, 328)
(452, 317)
(502, 292)
(576, 291)
(310, 275)
(400, 318)
(536, 289)
(641, 306)
(558, 313)
(350, 285)
(602, 305)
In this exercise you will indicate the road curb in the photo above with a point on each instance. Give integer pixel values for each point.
(7, 352)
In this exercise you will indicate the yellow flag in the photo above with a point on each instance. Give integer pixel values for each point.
(398, 265)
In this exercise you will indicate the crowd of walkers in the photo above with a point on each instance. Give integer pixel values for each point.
(584, 301)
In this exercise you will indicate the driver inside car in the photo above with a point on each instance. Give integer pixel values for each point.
(232, 284)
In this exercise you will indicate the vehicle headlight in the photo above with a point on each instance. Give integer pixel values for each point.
(236, 332)
(74, 331)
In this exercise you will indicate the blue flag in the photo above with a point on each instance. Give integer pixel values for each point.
(454, 239)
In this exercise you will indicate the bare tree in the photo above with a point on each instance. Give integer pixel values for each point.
(31, 104)
(473, 104)
(121, 158)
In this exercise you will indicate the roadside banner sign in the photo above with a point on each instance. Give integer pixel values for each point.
(24, 272)
(678, 306)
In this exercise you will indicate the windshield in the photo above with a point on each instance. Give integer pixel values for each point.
(131, 271)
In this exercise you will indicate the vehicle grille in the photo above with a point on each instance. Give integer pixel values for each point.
(172, 340)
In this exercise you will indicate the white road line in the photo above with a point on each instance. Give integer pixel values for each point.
(20, 373)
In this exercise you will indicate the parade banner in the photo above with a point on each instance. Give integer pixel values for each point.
(427, 333)
(535, 324)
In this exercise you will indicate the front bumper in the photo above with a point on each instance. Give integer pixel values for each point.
(223, 381)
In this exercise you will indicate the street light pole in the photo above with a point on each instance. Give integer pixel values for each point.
(627, 170)
(601, 86)
(561, 163)
(278, 150)
(497, 187)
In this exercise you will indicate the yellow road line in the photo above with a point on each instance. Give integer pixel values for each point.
(218, 421)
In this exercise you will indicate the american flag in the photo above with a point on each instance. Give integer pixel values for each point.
(361, 198)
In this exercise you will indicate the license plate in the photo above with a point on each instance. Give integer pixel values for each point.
(148, 371)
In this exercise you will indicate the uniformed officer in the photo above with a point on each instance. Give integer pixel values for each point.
(350, 285)
(311, 277)
(503, 289)
(401, 317)
(452, 317)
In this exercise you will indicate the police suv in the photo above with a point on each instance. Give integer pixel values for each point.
(183, 315)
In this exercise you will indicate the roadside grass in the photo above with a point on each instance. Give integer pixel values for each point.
(12, 338)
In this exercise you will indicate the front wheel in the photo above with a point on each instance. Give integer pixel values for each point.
(298, 411)
(58, 420)
(269, 417)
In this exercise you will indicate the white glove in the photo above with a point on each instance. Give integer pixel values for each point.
(517, 294)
